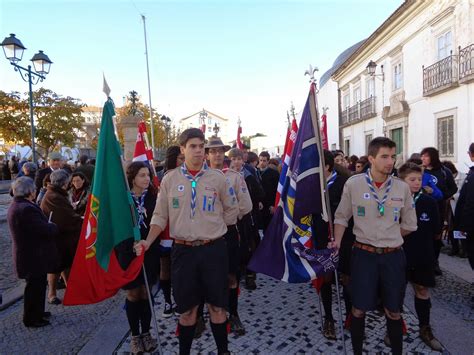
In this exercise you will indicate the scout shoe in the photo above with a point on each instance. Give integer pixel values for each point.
(149, 343)
(168, 311)
(329, 331)
(136, 345)
(236, 325)
(426, 334)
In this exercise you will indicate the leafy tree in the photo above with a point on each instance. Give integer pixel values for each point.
(14, 118)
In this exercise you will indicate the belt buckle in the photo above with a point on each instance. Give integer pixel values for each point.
(378, 250)
(197, 243)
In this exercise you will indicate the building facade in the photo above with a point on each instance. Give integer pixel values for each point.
(420, 91)
(209, 122)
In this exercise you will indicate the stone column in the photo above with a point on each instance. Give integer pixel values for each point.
(129, 126)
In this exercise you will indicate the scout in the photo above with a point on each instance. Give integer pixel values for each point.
(383, 211)
(236, 184)
(420, 252)
(199, 206)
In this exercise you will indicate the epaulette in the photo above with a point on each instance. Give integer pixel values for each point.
(217, 170)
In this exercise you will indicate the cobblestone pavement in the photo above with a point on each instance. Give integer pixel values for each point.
(284, 319)
(8, 279)
(70, 329)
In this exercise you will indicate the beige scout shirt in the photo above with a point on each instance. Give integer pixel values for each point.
(369, 227)
(215, 207)
(236, 181)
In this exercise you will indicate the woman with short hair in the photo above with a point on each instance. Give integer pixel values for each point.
(79, 192)
(34, 250)
(56, 204)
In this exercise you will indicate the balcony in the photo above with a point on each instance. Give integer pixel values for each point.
(440, 76)
(359, 112)
(466, 64)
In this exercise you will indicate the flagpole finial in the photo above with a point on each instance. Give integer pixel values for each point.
(239, 122)
(105, 87)
(310, 72)
(325, 109)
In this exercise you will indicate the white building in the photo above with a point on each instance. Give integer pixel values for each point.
(422, 93)
(227, 131)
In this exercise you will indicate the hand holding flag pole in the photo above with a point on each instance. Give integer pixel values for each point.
(327, 215)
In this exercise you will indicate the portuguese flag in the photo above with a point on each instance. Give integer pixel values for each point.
(109, 219)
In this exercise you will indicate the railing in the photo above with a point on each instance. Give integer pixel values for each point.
(466, 63)
(440, 76)
(360, 111)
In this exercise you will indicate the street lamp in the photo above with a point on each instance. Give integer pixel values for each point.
(13, 49)
(371, 70)
(167, 122)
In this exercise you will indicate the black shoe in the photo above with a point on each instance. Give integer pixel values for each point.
(61, 284)
(437, 271)
(236, 326)
(46, 315)
(329, 330)
(37, 324)
(200, 327)
(250, 283)
(462, 254)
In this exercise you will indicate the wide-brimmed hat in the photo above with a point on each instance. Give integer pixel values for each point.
(55, 156)
(216, 142)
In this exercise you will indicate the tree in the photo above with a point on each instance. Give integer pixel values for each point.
(14, 118)
(58, 119)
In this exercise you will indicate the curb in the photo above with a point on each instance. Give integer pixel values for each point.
(12, 296)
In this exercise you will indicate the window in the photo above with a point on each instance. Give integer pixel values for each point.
(209, 129)
(368, 138)
(397, 76)
(397, 136)
(445, 45)
(209, 121)
(333, 146)
(346, 101)
(370, 87)
(446, 136)
(347, 146)
(356, 95)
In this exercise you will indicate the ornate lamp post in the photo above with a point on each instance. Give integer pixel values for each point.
(167, 121)
(371, 67)
(13, 49)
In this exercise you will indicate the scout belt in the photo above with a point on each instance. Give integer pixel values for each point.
(375, 250)
(195, 243)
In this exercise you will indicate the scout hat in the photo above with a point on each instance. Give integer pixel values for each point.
(216, 142)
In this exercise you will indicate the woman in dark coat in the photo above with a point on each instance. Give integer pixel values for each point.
(137, 304)
(56, 203)
(79, 192)
(34, 250)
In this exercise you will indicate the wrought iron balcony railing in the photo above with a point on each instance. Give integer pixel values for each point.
(440, 76)
(466, 64)
(360, 111)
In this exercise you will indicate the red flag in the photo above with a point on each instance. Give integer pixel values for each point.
(88, 282)
(238, 142)
(143, 151)
(290, 141)
(324, 131)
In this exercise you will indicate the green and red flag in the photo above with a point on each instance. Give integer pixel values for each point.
(110, 218)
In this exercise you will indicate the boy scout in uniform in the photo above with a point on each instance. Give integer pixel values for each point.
(383, 211)
(215, 150)
(198, 204)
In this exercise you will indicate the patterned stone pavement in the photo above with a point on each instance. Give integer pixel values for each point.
(284, 319)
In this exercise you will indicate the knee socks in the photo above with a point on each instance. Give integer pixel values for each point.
(220, 336)
(166, 287)
(145, 319)
(326, 295)
(395, 333)
(347, 299)
(233, 301)
(422, 308)
(134, 310)
(357, 334)
(186, 335)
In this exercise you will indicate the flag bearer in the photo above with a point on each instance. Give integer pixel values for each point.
(238, 188)
(199, 206)
(383, 212)
(420, 252)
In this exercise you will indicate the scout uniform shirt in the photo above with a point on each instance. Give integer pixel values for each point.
(370, 227)
(214, 205)
(237, 183)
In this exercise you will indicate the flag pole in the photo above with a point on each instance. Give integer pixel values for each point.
(134, 218)
(149, 89)
(313, 104)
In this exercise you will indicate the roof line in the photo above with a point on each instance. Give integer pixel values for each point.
(212, 113)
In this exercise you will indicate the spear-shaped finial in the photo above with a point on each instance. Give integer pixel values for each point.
(310, 72)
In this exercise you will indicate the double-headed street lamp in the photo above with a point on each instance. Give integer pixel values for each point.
(13, 49)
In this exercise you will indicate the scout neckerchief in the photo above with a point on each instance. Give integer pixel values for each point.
(417, 196)
(380, 203)
(140, 203)
(194, 181)
(331, 179)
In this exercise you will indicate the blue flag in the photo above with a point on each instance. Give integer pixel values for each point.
(286, 251)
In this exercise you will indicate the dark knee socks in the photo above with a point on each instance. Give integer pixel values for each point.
(220, 336)
(145, 318)
(395, 333)
(186, 335)
(422, 308)
(326, 296)
(347, 299)
(233, 301)
(134, 311)
(166, 287)
(357, 333)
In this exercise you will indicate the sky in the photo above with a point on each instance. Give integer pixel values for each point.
(236, 58)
